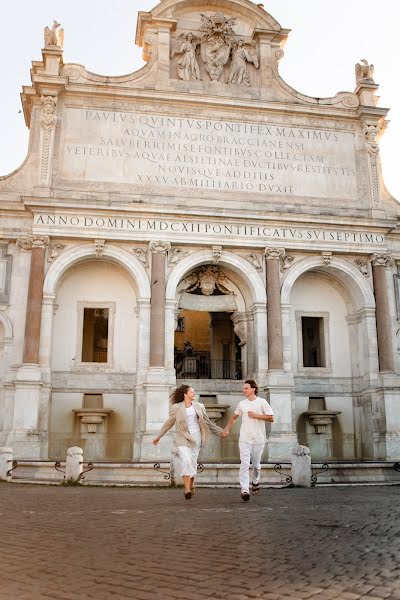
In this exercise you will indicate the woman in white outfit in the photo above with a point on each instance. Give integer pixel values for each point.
(193, 428)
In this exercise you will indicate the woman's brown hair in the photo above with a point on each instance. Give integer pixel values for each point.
(178, 395)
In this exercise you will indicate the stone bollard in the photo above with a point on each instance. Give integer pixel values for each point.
(74, 466)
(301, 466)
(6, 458)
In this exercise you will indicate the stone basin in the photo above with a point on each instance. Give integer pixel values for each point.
(321, 419)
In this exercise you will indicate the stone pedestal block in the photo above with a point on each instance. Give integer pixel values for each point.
(6, 458)
(301, 466)
(74, 463)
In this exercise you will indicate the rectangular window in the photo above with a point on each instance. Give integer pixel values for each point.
(312, 329)
(181, 324)
(95, 335)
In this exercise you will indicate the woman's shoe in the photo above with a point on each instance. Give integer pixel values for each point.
(188, 495)
(193, 489)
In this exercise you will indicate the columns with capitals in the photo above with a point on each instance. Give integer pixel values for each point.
(37, 245)
(380, 262)
(274, 317)
(157, 304)
(279, 384)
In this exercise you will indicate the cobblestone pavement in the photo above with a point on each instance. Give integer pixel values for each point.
(117, 543)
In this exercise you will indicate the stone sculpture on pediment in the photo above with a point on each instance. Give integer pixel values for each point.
(217, 42)
(364, 71)
(241, 55)
(187, 46)
(54, 36)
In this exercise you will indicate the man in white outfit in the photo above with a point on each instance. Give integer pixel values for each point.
(254, 412)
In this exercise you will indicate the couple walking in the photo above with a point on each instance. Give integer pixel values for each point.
(193, 428)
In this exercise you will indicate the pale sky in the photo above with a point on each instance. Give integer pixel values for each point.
(326, 41)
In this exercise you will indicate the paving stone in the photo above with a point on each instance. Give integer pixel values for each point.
(118, 543)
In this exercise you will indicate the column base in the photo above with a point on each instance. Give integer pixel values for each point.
(23, 435)
(283, 435)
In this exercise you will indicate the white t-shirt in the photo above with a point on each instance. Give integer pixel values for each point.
(192, 420)
(252, 431)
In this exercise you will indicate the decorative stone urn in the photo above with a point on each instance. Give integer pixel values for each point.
(321, 419)
(92, 418)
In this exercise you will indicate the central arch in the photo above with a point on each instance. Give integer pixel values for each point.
(255, 301)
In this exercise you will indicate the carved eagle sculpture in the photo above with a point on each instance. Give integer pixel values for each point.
(364, 71)
(54, 36)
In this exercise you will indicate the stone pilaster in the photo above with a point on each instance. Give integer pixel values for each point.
(274, 318)
(380, 262)
(157, 304)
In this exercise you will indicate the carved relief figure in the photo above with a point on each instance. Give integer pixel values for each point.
(188, 67)
(241, 55)
(217, 43)
(54, 36)
(48, 117)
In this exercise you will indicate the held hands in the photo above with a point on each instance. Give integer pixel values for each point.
(224, 433)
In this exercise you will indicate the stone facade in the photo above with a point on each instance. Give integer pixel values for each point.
(201, 189)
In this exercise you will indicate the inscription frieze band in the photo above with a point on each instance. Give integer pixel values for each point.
(118, 224)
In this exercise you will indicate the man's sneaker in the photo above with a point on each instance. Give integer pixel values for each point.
(245, 496)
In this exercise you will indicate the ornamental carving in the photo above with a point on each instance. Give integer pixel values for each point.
(241, 55)
(175, 255)
(48, 117)
(364, 71)
(326, 258)
(217, 42)
(382, 260)
(54, 36)
(33, 241)
(215, 46)
(217, 253)
(142, 256)
(207, 279)
(274, 253)
(255, 261)
(239, 321)
(55, 250)
(99, 247)
(159, 247)
(362, 266)
(187, 46)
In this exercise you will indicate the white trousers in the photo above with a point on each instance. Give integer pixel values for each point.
(187, 463)
(249, 452)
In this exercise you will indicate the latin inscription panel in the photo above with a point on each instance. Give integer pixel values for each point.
(158, 151)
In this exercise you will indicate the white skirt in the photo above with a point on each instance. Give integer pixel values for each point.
(187, 461)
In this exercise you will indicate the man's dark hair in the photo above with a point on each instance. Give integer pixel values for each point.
(253, 384)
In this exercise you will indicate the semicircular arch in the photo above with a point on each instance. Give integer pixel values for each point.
(228, 259)
(349, 276)
(110, 253)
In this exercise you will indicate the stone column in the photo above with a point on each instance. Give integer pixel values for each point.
(274, 317)
(380, 262)
(157, 303)
(37, 245)
(24, 436)
(159, 379)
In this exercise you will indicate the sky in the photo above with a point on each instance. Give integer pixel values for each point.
(326, 41)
